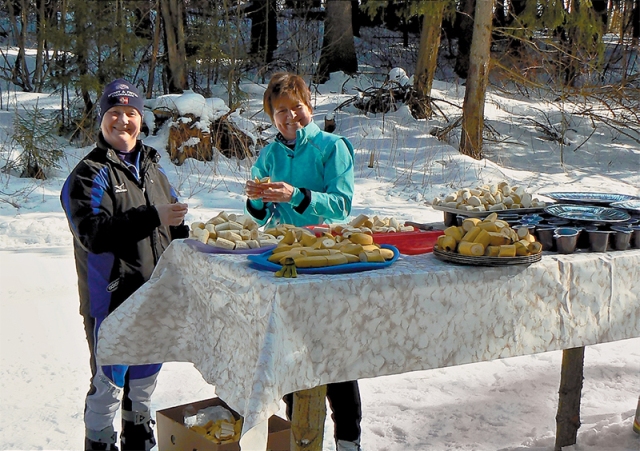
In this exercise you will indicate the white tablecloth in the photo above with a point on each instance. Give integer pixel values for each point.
(257, 337)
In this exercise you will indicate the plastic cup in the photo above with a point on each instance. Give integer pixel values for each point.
(598, 240)
(545, 237)
(621, 237)
(566, 239)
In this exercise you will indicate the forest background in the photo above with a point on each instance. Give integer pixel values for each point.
(584, 50)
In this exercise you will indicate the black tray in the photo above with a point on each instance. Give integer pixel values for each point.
(484, 214)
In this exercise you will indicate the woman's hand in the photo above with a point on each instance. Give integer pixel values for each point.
(253, 189)
(172, 214)
(269, 192)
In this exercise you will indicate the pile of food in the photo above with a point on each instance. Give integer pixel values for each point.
(365, 224)
(490, 198)
(231, 232)
(310, 251)
(489, 237)
(221, 431)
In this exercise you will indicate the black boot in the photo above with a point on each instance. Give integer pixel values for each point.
(104, 440)
(137, 433)
(90, 445)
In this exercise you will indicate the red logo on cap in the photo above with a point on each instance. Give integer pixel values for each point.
(124, 100)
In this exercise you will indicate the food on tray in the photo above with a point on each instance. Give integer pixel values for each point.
(375, 224)
(489, 237)
(220, 431)
(231, 232)
(490, 198)
(309, 251)
(288, 269)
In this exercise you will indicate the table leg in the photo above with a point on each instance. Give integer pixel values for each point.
(568, 416)
(307, 419)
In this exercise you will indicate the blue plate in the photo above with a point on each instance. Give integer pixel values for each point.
(261, 262)
(631, 205)
(588, 198)
(587, 213)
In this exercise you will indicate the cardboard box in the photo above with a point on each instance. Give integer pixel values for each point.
(173, 435)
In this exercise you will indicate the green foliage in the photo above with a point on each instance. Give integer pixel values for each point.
(34, 132)
(373, 7)
(572, 30)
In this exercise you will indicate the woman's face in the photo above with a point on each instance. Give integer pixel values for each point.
(120, 127)
(289, 115)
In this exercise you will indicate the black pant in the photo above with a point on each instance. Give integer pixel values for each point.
(344, 401)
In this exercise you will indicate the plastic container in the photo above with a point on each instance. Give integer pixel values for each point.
(635, 238)
(566, 239)
(621, 237)
(409, 243)
(544, 234)
(598, 240)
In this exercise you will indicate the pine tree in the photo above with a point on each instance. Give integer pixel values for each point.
(34, 132)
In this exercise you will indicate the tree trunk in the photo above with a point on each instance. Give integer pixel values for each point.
(41, 33)
(568, 416)
(20, 72)
(465, 26)
(338, 49)
(264, 31)
(474, 95)
(154, 51)
(636, 24)
(173, 18)
(600, 8)
(428, 51)
(515, 9)
(355, 17)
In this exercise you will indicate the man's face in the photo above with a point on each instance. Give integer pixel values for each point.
(121, 126)
(289, 115)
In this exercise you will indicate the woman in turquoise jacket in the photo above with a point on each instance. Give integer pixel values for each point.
(310, 182)
(310, 171)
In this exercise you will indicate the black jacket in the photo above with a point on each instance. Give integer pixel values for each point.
(117, 234)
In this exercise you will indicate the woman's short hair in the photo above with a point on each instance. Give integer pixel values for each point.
(285, 84)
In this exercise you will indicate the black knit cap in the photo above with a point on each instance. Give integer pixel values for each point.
(121, 93)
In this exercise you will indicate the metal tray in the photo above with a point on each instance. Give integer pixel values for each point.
(588, 198)
(631, 205)
(483, 214)
(591, 213)
(454, 257)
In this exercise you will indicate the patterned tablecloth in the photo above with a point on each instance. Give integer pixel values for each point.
(257, 337)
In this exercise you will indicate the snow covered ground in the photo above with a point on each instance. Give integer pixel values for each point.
(506, 405)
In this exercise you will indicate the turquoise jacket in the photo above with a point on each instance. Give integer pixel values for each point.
(319, 167)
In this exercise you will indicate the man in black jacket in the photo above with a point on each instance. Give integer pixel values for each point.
(123, 214)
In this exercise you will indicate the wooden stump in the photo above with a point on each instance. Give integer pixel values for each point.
(568, 416)
(307, 419)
